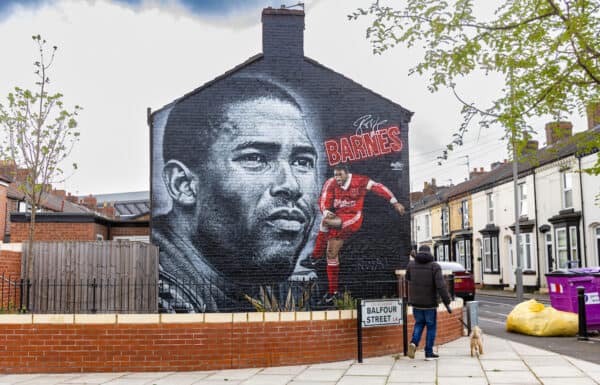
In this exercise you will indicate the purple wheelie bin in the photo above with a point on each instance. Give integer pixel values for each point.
(562, 286)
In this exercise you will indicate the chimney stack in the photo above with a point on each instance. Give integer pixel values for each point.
(556, 131)
(532, 145)
(593, 115)
(475, 173)
(283, 33)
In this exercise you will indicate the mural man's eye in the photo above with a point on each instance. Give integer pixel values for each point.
(304, 162)
(252, 161)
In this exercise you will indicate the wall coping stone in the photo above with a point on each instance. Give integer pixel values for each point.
(83, 319)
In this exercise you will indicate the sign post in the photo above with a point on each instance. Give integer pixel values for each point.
(377, 312)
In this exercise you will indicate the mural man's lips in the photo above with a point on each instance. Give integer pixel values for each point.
(292, 220)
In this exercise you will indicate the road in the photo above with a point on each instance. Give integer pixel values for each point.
(492, 319)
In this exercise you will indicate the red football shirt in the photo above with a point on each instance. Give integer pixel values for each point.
(350, 198)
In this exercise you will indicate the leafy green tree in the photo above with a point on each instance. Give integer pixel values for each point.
(547, 51)
(39, 133)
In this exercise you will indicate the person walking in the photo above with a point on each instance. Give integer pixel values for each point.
(425, 284)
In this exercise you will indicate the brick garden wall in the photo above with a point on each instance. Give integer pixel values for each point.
(54, 348)
(55, 231)
(128, 231)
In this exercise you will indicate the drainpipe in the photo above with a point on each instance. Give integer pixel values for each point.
(583, 216)
(537, 232)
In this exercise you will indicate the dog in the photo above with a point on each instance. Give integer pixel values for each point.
(476, 341)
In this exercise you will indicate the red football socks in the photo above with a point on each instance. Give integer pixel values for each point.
(333, 269)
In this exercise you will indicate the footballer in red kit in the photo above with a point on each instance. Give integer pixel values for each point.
(341, 203)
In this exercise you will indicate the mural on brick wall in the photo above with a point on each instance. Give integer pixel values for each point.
(260, 189)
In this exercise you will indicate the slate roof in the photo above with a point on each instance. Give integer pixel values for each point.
(573, 145)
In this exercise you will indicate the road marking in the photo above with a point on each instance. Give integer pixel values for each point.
(493, 312)
(496, 303)
(491, 320)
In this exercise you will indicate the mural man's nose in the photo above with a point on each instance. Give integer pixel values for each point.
(286, 184)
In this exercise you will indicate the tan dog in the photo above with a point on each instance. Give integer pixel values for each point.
(476, 341)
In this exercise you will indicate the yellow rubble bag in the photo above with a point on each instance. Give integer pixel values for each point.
(535, 319)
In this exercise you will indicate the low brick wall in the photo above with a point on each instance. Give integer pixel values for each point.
(186, 342)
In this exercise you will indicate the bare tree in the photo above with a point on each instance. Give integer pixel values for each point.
(39, 134)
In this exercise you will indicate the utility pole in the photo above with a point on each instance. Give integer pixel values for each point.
(468, 166)
(515, 172)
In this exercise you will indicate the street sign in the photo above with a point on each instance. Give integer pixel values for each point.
(381, 312)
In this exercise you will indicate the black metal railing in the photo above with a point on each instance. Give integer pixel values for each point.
(122, 295)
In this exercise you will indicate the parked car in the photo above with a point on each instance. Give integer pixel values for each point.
(464, 285)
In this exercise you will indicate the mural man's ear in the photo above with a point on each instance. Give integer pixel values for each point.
(181, 182)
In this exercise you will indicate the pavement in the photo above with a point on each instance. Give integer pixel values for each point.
(540, 297)
(504, 362)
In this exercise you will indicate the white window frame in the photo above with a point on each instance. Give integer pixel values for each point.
(574, 250)
(427, 227)
(487, 254)
(548, 243)
(495, 256)
(445, 221)
(560, 249)
(490, 207)
(567, 189)
(464, 209)
(523, 211)
(525, 246)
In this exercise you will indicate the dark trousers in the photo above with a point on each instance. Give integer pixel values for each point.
(425, 317)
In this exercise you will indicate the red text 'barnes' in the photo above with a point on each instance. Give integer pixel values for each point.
(356, 147)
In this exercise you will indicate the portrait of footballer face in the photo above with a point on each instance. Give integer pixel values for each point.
(256, 194)
(240, 171)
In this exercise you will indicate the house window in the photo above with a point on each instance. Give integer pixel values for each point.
(490, 208)
(525, 249)
(464, 209)
(445, 223)
(549, 255)
(562, 253)
(567, 189)
(523, 199)
(463, 253)
(427, 230)
(573, 246)
(495, 256)
(491, 262)
(442, 252)
(487, 255)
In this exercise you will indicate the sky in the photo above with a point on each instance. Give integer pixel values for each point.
(116, 58)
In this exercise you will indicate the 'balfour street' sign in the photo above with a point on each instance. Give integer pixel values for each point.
(381, 312)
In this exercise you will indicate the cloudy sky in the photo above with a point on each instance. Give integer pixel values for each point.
(118, 57)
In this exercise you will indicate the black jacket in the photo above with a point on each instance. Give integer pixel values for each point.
(425, 282)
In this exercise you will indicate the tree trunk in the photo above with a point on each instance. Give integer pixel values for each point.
(30, 244)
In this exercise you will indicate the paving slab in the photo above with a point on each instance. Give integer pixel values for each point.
(268, 379)
(234, 374)
(511, 377)
(572, 381)
(363, 380)
(563, 371)
(284, 369)
(501, 365)
(370, 370)
(312, 374)
(462, 381)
